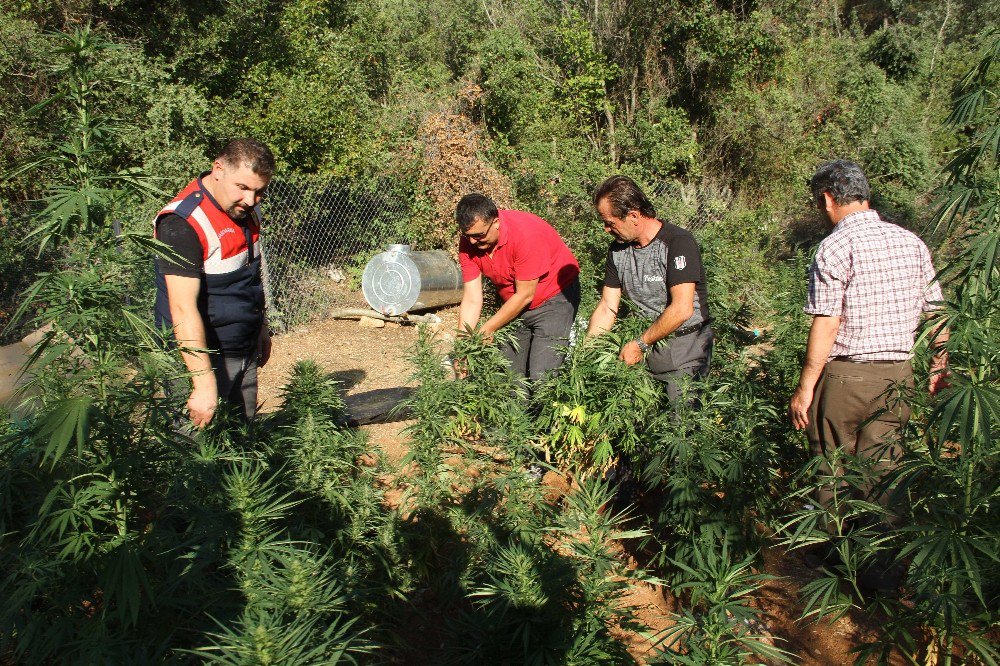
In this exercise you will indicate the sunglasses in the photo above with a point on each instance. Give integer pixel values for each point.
(482, 234)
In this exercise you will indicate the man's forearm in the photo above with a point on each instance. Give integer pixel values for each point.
(508, 312)
(822, 335)
(940, 340)
(669, 321)
(468, 313)
(190, 333)
(601, 320)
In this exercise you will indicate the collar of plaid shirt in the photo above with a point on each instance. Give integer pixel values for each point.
(858, 218)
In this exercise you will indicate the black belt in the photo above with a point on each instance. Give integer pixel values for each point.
(848, 359)
(694, 328)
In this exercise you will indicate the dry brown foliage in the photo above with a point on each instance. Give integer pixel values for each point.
(453, 166)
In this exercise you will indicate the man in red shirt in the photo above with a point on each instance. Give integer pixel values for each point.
(535, 274)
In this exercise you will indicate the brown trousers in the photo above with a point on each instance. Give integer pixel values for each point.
(848, 394)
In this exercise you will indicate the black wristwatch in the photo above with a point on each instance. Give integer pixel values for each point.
(643, 347)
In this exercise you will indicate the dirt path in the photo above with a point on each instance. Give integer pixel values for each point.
(365, 359)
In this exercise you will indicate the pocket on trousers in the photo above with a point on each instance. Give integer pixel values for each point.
(660, 360)
(851, 379)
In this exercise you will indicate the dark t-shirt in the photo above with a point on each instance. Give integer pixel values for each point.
(646, 274)
(175, 232)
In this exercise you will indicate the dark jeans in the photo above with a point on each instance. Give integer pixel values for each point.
(539, 344)
(235, 379)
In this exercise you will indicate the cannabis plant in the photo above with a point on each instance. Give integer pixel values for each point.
(719, 625)
(713, 467)
(82, 547)
(846, 535)
(485, 408)
(123, 537)
(553, 600)
(335, 473)
(493, 399)
(947, 482)
(596, 408)
(83, 188)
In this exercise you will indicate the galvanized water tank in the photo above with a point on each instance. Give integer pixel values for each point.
(399, 280)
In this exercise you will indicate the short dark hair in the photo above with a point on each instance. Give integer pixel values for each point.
(844, 180)
(624, 195)
(474, 207)
(249, 152)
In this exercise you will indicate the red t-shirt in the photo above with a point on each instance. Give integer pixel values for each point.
(528, 249)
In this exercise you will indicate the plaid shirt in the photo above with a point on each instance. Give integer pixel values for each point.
(878, 278)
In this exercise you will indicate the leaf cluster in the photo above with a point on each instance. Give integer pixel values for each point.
(596, 408)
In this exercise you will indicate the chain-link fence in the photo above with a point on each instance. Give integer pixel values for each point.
(318, 236)
(692, 206)
(320, 233)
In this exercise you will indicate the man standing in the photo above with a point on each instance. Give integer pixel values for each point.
(535, 274)
(212, 294)
(658, 267)
(869, 284)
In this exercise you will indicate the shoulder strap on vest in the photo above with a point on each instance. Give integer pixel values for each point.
(188, 204)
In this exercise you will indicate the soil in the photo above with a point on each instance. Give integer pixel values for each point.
(365, 359)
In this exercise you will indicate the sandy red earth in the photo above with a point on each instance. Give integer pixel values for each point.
(365, 359)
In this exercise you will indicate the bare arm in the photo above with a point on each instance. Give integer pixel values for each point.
(606, 312)
(679, 311)
(938, 378)
(189, 329)
(524, 293)
(472, 304)
(822, 334)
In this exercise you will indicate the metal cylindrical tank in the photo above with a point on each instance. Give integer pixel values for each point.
(399, 280)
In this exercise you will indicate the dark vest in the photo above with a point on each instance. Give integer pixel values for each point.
(231, 301)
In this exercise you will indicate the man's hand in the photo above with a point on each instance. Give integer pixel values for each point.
(202, 403)
(469, 331)
(263, 347)
(631, 353)
(939, 373)
(822, 334)
(461, 368)
(798, 407)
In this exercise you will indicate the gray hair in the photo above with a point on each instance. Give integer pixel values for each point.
(844, 180)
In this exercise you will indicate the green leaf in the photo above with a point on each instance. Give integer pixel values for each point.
(68, 419)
